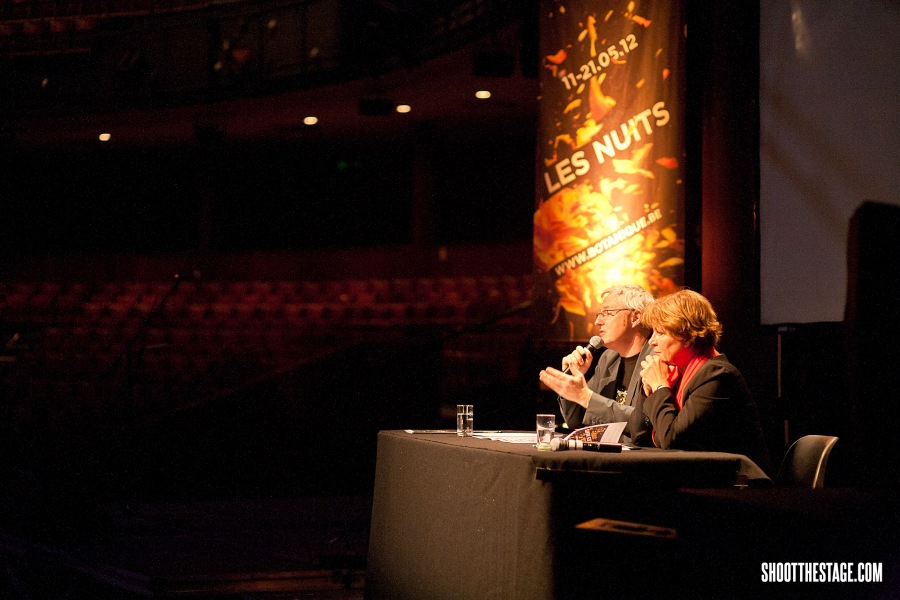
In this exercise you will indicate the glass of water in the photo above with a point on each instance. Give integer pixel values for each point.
(546, 425)
(465, 419)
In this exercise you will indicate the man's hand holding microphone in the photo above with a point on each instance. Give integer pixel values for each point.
(570, 382)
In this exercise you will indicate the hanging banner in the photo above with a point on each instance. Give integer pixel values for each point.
(610, 190)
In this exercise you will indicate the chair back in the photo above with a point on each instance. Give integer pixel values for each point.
(805, 462)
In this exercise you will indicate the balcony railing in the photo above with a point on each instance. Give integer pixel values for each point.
(57, 55)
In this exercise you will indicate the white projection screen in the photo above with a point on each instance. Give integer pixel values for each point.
(829, 99)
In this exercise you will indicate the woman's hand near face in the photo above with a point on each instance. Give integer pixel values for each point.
(654, 373)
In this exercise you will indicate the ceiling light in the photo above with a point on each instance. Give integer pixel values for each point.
(310, 120)
(104, 137)
(403, 108)
(482, 94)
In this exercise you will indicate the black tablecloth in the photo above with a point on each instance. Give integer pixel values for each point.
(476, 518)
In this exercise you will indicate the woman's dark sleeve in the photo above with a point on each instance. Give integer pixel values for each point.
(692, 427)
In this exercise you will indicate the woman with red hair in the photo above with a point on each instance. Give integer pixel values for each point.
(696, 399)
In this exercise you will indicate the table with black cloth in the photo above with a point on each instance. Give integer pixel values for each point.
(456, 517)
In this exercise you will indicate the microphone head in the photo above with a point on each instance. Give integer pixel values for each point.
(596, 342)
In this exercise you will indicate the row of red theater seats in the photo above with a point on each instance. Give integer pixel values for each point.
(210, 319)
(198, 348)
(450, 299)
(308, 289)
(187, 338)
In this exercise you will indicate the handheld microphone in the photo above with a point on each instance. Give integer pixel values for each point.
(558, 444)
(594, 344)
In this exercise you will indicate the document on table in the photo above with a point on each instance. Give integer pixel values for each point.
(609, 433)
(430, 431)
(513, 437)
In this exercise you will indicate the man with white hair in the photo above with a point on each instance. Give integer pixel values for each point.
(611, 393)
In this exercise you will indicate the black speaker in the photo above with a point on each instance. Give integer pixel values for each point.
(873, 331)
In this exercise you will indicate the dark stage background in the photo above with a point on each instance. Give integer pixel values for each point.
(328, 286)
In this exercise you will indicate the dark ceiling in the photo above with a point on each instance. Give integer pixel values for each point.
(255, 70)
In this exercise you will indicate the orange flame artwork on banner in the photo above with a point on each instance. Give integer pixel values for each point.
(610, 205)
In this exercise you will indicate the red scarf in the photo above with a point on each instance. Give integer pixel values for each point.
(679, 379)
(682, 379)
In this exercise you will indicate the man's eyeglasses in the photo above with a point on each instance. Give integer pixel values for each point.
(609, 312)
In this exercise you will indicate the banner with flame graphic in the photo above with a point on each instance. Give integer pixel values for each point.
(610, 199)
